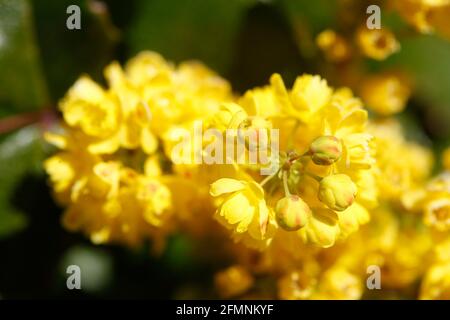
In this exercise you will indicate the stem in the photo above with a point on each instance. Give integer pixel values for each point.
(267, 179)
(15, 122)
(285, 184)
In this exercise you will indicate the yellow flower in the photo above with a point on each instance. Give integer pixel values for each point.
(308, 96)
(351, 218)
(386, 94)
(109, 175)
(337, 192)
(322, 228)
(426, 16)
(92, 109)
(310, 93)
(233, 281)
(436, 283)
(297, 285)
(402, 165)
(339, 284)
(312, 117)
(437, 212)
(244, 208)
(334, 46)
(377, 44)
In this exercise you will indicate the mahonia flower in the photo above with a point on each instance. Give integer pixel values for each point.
(386, 94)
(426, 16)
(436, 203)
(339, 284)
(122, 176)
(297, 285)
(244, 208)
(334, 46)
(401, 165)
(323, 133)
(110, 172)
(233, 281)
(436, 283)
(377, 44)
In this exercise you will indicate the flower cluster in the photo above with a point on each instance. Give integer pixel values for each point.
(346, 192)
(112, 172)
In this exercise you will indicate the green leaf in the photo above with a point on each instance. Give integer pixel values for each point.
(188, 29)
(22, 85)
(20, 153)
(427, 59)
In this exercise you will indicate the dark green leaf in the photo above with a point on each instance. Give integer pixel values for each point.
(20, 153)
(188, 29)
(22, 86)
(66, 54)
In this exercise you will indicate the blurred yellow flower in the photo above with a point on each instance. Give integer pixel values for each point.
(233, 281)
(386, 94)
(377, 44)
(334, 46)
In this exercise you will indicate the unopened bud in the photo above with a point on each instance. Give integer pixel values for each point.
(325, 150)
(292, 213)
(337, 192)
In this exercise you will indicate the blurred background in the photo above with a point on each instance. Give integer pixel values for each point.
(245, 41)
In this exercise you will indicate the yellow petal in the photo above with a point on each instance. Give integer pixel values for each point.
(148, 140)
(225, 185)
(238, 209)
(322, 228)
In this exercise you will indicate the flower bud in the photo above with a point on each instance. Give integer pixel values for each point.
(292, 213)
(337, 191)
(325, 150)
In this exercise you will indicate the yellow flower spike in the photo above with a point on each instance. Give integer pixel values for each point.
(337, 191)
(292, 213)
(386, 94)
(377, 44)
(325, 150)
